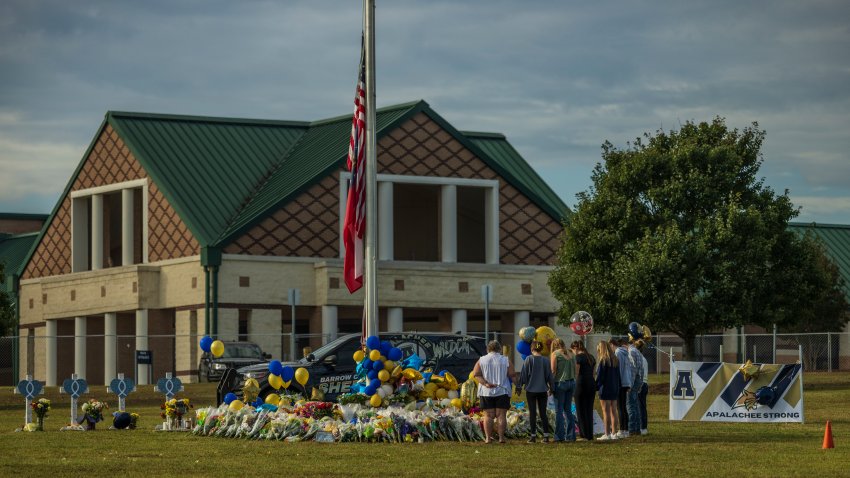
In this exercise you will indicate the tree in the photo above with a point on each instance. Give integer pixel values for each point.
(7, 308)
(678, 233)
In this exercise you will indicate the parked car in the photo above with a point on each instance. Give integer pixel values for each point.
(331, 367)
(236, 355)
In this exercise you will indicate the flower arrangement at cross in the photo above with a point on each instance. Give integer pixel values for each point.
(93, 410)
(175, 408)
(40, 407)
(134, 421)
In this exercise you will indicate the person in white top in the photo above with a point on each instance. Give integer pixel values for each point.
(494, 375)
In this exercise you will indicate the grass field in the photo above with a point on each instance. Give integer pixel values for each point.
(671, 449)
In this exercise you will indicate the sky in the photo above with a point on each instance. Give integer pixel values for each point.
(557, 78)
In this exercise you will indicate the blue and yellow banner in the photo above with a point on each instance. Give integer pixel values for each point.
(725, 392)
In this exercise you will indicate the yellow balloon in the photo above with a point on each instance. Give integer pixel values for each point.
(456, 402)
(376, 400)
(451, 381)
(441, 393)
(396, 373)
(412, 374)
(359, 356)
(275, 381)
(375, 355)
(389, 365)
(236, 405)
(302, 375)
(437, 379)
(252, 383)
(471, 376)
(383, 375)
(273, 399)
(545, 335)
(431, 386)
(217, 348)
(286, 384)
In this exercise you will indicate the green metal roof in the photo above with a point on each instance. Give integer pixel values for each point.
(13, 254)
(836, 240)
(207, 168)
(497, 148)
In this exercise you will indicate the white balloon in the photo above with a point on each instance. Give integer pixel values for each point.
(381, 392)
(445, 402)
(387, 388)
(453, 394)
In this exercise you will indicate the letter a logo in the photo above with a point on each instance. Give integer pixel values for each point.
(684, 388)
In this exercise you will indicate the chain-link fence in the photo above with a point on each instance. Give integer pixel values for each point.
(180, 353)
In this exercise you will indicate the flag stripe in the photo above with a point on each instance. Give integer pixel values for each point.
(354, 226)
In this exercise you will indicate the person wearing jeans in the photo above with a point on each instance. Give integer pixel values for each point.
(626, 379)
(564, 367)
(637, 360)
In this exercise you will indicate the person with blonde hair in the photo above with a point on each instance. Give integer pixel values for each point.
(608, 385)
(564, 370)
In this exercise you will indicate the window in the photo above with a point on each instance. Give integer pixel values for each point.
(244, 318)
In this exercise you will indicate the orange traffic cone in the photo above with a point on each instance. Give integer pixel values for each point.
(827, 436)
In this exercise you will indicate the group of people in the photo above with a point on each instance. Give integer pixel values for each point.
(568, 374)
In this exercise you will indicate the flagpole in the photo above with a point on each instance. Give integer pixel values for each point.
(370, 270)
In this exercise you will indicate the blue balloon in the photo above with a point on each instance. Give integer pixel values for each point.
(377, 366)
(395, 354)
(286, 373)
(443, 373)
(635, 331)
(276, 367)
(427, 376)
(229, 398)
(414, 362)
(372, 374)
(370, 390)
(375, 383)
(386, 346)
(524, 356)
(258, 402)
(524, 348)
(206, 343)
(373, 342)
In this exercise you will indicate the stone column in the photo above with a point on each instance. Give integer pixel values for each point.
(110, 345)
(491, 225)
(521, 319)
(96, 234)
(448, 223)
(80, 346)
(50, 331)
(385, 221)
(142, 343)
(395, 319)
(330, 326)
(459, 320)
(127, 218)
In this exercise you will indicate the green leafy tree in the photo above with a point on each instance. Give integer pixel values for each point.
(7, 308)
(678, 233)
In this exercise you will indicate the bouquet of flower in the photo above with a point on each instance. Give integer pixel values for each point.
(93, 410)
(315, 410)
(134, 421)
(40, 407)
(175, 408)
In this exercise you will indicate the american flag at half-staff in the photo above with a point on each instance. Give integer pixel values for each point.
(354, 226)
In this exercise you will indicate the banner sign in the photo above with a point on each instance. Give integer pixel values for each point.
(725, 392)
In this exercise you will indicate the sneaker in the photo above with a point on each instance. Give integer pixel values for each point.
(545, 439)
(644, 431)
(605, 438)
(622, 434)
(532, 440)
